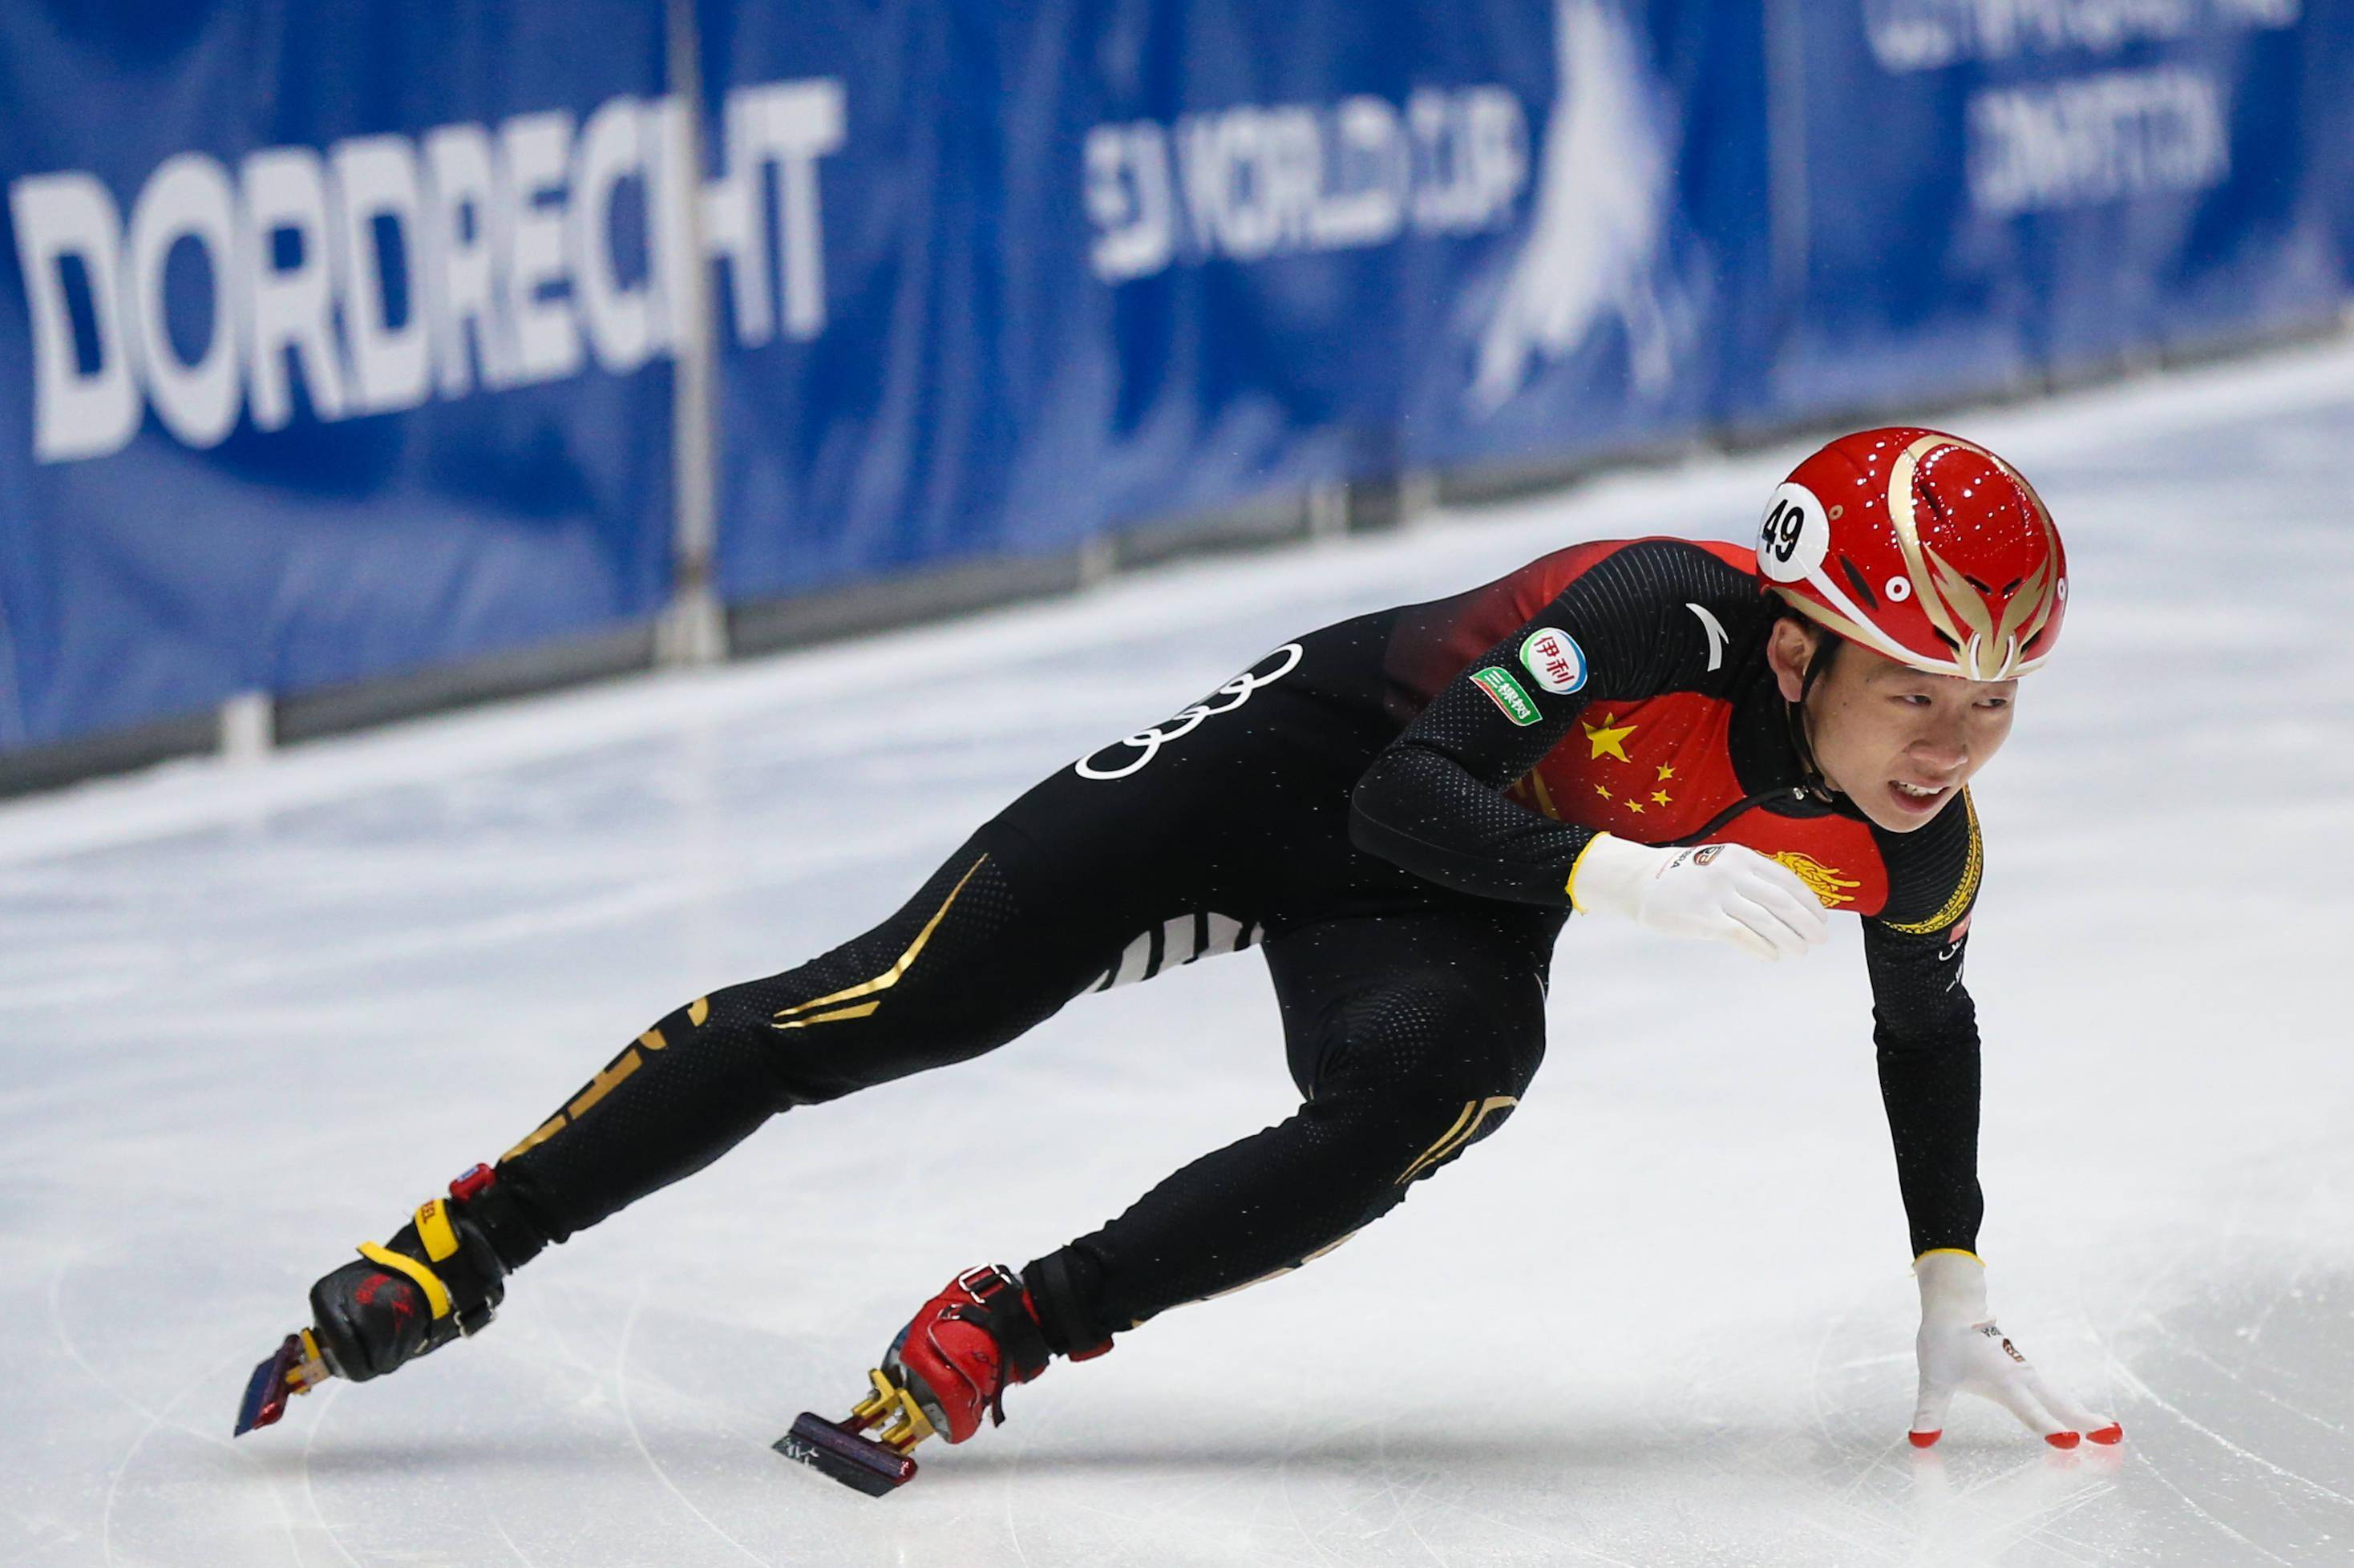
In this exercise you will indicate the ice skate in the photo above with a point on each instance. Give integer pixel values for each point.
(440, 1277)
(950, 1364)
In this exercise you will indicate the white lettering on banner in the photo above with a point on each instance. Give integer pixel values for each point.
(535, 154)
(2097, 139)
(1372, 169)
(457, 266)
(801, 122)
(1929, 35)
(736, 229)
(1252, 182)
(188, 199)
(287, 307)
(78, 412)
(790, 125)
(1129, 201)
(376, 180)
(395, 269)
(615, 146)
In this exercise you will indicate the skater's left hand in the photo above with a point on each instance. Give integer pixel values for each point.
(1961, 1349)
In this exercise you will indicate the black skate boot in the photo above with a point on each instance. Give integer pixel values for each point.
(440, 1277)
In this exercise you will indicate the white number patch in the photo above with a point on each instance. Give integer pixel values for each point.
(1795, 537)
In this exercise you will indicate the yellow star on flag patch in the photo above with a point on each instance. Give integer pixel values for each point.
(1607, 741)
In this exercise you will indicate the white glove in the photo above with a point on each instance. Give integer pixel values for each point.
(1725, 891)
(1960, 1347)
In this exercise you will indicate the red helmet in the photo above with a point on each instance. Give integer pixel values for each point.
(1921, 547)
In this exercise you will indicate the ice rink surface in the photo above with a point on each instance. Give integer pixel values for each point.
(251, 1017)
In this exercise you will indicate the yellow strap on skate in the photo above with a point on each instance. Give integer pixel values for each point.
(310, 1370)
(436, 1293)
(433, 1228)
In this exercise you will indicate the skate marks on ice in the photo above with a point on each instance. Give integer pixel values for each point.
(623, 1429)
(1989, 1493)
(2244, 1392)
(608, 1420)
(1703, 1460)
(509, 908)
(2234, 1379)
(619, 1428)
(561, 1445)
(145, 1473)
(160, 1466)
(601, 1422)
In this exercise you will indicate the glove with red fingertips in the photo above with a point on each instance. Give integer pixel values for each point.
(1961, 1350)
(1725, 891)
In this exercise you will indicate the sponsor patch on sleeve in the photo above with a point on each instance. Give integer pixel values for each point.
(1554, 659)
(1507, 693)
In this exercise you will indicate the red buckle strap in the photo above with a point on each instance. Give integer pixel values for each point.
(474, 1182)
(994, 1275)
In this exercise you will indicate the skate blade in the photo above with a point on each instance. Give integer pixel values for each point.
(838, 1448)
(293, 1368)
(855, 1461)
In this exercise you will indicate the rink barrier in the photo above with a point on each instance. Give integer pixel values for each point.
(748, 631)
(883, 604)
(992, 312)
(545, 667)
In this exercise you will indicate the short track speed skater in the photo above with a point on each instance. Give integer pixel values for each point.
(1402, 812)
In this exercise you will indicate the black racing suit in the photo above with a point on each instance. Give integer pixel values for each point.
(1350, 805)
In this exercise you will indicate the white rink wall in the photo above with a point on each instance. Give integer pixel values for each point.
(251, 1015)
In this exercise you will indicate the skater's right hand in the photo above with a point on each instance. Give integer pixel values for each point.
(1962, 1350)
(1726, 890)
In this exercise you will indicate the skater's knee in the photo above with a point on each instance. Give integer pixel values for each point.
(1421, 1080)
(784, 1018)
(893, 1001)
(1427, 1042)
(1442, 1129)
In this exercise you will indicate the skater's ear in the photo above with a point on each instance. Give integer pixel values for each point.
(1791, 650)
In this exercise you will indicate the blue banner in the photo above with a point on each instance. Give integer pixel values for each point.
(1112, 260)
(338, 341)
(332, 344)
(1976, 194)
(1100, 264)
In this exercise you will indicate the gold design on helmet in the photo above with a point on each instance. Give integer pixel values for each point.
(1908, 533)
(1823, 880)
(1980, 655)
(1990, 652)
(2030, 602)
(1824, 616)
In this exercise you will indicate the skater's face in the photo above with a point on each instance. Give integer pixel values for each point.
(1899, 742)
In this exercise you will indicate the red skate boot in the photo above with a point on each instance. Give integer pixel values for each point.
(948, 1366)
